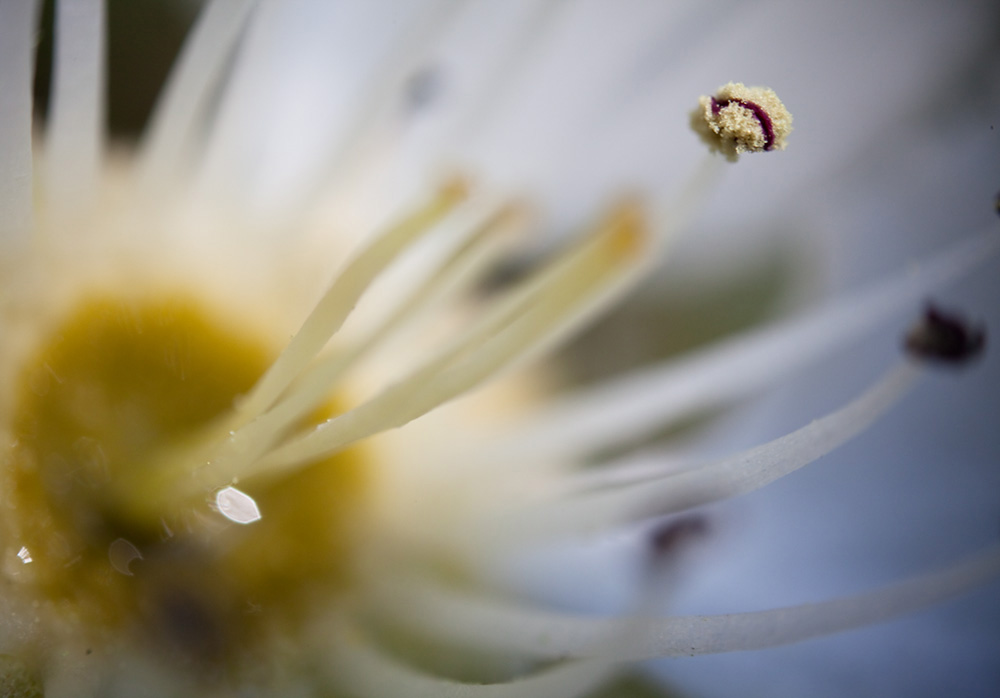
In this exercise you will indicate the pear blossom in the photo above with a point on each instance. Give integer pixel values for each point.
(276, 424)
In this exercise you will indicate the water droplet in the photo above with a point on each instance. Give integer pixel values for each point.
(237, 506)
(121, 553)
(24, 555)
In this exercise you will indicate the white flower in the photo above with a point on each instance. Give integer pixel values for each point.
(203, 498)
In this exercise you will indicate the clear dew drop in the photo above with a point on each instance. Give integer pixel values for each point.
(237, 506)
(121, 553)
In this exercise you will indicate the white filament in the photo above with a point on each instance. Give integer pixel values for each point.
(76, 116)
(315, 385)
(632, 468)
(733, 476)
(185, 99)
(648, 399)
(339, 300)
(486, 623)
(452, 274)
(570, 291)
(365, 672)
(17, 28)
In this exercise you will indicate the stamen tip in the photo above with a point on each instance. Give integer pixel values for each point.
(740, 119)
(945, 338)
(669, 538)
(454, 189)
(629, 229)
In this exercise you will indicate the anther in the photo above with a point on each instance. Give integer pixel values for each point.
(740, 119)
(422, 88)
(945, 337)
(669, 541)
(669, 538)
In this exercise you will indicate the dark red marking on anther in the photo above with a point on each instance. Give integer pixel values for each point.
(759, 113)
(670, 537)
(945, 338)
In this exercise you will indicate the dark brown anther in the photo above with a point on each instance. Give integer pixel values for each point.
(422, 88)
(670, 537)
(945, 337)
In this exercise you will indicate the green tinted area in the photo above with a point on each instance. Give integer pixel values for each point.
(116, 385)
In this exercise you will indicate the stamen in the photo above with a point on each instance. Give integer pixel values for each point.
(744, 120)
(17, 28)
(945, 338)
(343, 295)
(365, 672)
(645, 465)
(76, 121)
(544, 310)
(458, 616)
(758, 112)
(189, 89)
(733, 476)
(665, 540)
(313, 388)
(629, 407)
(668, 542)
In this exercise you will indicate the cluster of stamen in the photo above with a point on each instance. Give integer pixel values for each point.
(174, 480)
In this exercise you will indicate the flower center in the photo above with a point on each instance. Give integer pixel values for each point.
(116, 385)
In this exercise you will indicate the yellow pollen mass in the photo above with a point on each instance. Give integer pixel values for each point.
(739, 119)
(116, 383)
